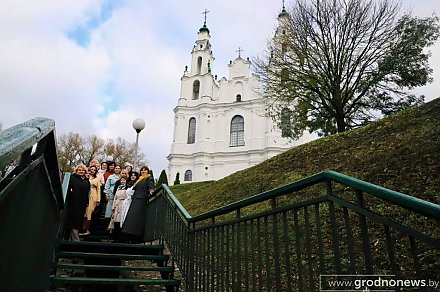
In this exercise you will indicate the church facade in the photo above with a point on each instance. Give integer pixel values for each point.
(220, 126)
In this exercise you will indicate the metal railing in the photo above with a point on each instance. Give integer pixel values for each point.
(30, 204)
(286, 238)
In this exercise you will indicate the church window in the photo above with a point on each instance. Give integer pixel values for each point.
(238, 97)
(286, 123)
(237, 131)
(188, 175)
(192, 131)
(196, 89)
(199, 65)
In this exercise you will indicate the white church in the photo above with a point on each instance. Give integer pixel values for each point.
(220, 126)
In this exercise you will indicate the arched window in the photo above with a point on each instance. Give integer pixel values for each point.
(188, 175)
(192, 131)
(286, 123)
(237, 131)
(238, 97)
(199, 65)
(196, 89)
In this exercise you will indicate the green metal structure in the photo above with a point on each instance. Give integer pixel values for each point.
(285, 239)
(288, 238)
(30, 205)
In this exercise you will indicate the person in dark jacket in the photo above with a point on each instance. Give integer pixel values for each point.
(134, 224)
(132, 178)
(77, 199)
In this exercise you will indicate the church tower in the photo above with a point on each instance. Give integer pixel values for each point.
(220, 126)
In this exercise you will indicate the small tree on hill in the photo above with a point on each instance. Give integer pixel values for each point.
(177, 180)
(163, 179)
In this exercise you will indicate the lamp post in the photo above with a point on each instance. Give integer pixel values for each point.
(138, 126)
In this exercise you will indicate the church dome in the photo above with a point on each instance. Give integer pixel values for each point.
(204, 28)
(283, 13)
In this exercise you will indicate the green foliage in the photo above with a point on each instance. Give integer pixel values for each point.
(163, 179)
(338, 65)
(399, 152)
(177, 180)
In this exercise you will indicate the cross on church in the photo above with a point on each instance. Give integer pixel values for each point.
(205, 12)
(239, 51)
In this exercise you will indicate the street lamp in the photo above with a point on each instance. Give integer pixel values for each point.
(138, 126)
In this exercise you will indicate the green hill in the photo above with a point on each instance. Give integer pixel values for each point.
(401, 152)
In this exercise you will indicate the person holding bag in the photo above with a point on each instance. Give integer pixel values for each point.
(115, 222)
(126, 204)
(134, 224)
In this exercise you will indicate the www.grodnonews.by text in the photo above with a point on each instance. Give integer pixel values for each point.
(372, 282)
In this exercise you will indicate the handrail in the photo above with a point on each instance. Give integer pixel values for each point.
(420, 206)
(299, 184)
(177, 203)
(23, 136)
(415, 204)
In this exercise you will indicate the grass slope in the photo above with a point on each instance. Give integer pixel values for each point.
(401, 152)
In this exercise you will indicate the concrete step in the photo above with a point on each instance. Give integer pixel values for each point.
(116, 256)
(112, 281)
(68, 266)
(109, 247)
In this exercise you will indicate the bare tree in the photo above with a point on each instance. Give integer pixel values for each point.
(92, 149)
(337, 64)
(74, 149)
(123, 151)
(70, 149)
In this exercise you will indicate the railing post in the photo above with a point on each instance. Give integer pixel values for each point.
(238, 259)
(334, 227)
(191, 243)
(364, 233)
(276, 244)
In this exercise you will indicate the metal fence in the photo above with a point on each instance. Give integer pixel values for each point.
(289, 238)
(30, 204)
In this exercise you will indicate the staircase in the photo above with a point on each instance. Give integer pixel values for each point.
(105, 266)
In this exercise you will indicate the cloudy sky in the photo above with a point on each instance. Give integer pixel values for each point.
(95, 65)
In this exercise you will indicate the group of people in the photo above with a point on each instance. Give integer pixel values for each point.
(121, 194)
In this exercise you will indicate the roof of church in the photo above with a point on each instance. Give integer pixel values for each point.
(204, 28)
(283, 13)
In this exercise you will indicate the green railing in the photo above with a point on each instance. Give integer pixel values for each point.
(285, 239)
(30, 204)
(289, 238)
